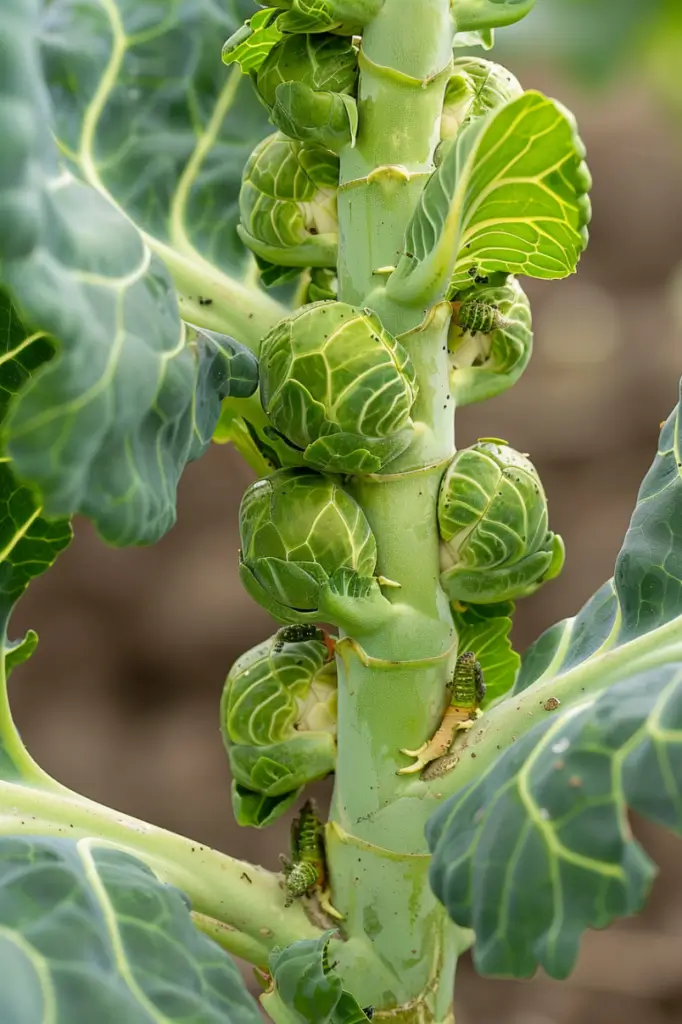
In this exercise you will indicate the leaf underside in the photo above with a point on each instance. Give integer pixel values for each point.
(107, 425)
(538, 848)
(146, 111)
(87, 933)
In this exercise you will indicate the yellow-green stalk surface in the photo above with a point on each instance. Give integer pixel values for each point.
(400, 949)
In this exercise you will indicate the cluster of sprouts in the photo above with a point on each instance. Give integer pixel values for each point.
(339, 392)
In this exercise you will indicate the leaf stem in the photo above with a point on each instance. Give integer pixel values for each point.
(231, 939)
(241, 905)
(514, 716)
(210, 299)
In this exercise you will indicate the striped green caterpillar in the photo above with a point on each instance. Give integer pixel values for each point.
(306, 872)
(347, 1009)
(467, 685)
(477, 317)
(298, 632)
(467, 690)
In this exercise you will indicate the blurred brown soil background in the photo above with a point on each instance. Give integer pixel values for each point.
(121, 699)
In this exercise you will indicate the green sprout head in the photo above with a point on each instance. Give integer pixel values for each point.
(492, 516)
(278, 720)
(475, 87)
(490, 340)
(322, 62)
(345, 17)
(298, 531)
(287, 203)
(338, 386)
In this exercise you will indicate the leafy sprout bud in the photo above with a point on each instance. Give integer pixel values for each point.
(344, 17)
(325, 63)
(298, 531)
(339, 387)
(287, 203)
(307, 81)
(492, 517)
(278, 721)
(323, 285)
(475, 87)
(490, 340)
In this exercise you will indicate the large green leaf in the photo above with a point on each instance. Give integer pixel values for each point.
(146, 112)
(508, 195)
(106, 427)
(88, 934)
(540, 849)
(28, 542)
(536, 848)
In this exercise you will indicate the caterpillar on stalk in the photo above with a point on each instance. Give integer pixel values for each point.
(298, 632)
(466, 691)
(306, 872)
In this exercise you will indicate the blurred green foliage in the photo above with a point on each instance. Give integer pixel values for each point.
(594, 40)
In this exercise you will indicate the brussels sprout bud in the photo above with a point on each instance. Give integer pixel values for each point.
(298, 529)
(323, 285)
(476, 87)
(327, 118)
(344, 17)
(287, 203)
(490, 340)
(338, 386)
(278, 721)
(323, 62)
(492, 516)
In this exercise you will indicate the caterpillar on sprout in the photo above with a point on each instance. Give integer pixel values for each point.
(477, 317)
(299, 632)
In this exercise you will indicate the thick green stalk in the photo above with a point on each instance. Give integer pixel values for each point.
(404, 65)
(400, 951)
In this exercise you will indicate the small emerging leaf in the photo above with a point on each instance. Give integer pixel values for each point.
(485, 630)
(306, 984)
(19, 651)
(508, 195)
(474, 15)
(252, 42)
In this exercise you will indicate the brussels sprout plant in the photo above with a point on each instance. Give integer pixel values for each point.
(313, 249)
